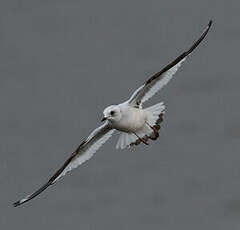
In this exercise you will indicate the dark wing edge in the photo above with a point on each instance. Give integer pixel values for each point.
(139, 91)
(182, 56)
(93, 137)
(50, 181)
(30, 197)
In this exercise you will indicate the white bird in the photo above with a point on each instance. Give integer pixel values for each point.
(134, 123)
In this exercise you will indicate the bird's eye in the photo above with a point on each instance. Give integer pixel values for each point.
(112, 113)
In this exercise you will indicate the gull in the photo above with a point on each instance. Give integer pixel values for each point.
(134, 123)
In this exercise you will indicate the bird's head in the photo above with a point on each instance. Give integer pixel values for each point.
(112, 113)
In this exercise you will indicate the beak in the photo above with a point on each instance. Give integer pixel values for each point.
(104, 119)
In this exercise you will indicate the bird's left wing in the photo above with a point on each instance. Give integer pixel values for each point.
(84, 152)
(157, 81)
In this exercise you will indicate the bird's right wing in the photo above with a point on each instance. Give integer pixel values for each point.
(84, 152)
(160, 79)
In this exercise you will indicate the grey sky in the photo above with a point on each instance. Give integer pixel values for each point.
(62, 62)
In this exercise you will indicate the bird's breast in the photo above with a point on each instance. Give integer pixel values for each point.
(132, 120)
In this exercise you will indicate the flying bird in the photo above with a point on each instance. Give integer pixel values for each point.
(134, 123)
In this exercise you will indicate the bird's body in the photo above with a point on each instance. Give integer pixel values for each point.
(135, 124)
(132, 120)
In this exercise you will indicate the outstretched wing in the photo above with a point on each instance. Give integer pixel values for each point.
(84, 152)
(160, 79)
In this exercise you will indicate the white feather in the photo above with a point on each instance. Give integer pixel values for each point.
(159, 84)
(125, 139)
(154, 112)
(146, 91)
(87, 152)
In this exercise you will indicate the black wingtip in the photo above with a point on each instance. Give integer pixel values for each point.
(16, 203)
(210, 23)
(30, 197)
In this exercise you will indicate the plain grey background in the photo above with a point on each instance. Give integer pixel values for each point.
(62, 62)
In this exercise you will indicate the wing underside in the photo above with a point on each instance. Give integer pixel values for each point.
(84, 152)
(160, 79)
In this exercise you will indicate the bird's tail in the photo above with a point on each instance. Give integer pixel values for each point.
(154, 112)
(149, 131)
